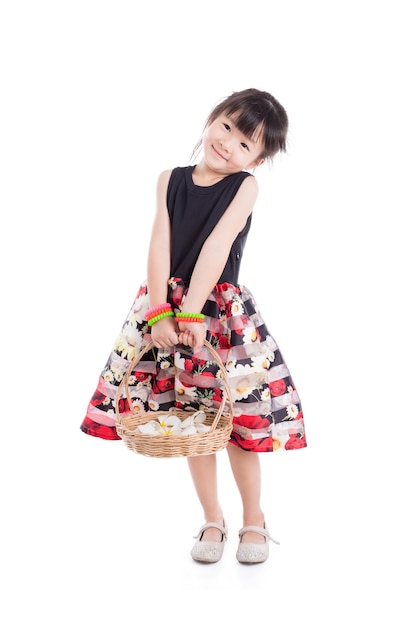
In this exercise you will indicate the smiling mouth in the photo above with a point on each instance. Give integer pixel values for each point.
(218, 153)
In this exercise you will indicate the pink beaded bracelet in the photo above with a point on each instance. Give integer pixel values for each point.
(157, 310)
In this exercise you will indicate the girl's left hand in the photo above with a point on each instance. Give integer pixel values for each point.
(192, 334)
(164, 333)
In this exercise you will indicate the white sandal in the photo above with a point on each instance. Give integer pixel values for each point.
(254, 552)
(209, 551)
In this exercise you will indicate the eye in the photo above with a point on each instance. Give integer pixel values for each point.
(227, 126)
(244, 145)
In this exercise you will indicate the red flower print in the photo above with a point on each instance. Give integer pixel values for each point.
(295, 442)
(225, 286)
(253, 422)
(224, 342)
(198, 362)
(217, 395)
(99, 430)
(253, 445)
(123, 405)
(159, 385)
(277, 387)
(140, 376)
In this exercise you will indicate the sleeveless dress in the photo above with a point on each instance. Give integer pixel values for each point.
(267, 410)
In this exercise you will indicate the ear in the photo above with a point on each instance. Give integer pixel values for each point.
(256, 163)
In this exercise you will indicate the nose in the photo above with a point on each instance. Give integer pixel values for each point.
(225, 143)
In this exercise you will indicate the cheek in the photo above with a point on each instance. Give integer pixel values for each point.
(209, 135)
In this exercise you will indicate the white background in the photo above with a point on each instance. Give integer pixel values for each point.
(96, 99)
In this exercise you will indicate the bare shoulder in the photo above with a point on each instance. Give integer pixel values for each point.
(251, 182)
(249, 186)
(235, 217)
(163, 178)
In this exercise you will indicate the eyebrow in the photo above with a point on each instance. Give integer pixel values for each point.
(251, 140)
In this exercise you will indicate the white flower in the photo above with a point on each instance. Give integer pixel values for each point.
(170, 424)
(150, 428)
(137, 405)
(260, 363)
(242, 377)
(179, 361)
(265, 394)
(164, 425)
(108, 376)
(189, 392)
(127, 341)
(119, 368)
(250, 335)
(138, 311)
(292, 410)
(194, 424)
(236, 308)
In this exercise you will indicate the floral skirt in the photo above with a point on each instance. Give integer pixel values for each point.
(267, 413)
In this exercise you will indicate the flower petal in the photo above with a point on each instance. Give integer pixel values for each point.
(202, 428)
(191, 430)
(187, 422)
(151, 428)
(199, 417)
(171, 420)
(176, 430)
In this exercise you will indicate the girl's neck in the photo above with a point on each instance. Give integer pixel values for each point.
(204, 176)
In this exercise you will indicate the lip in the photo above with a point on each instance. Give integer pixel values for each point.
(218, 154)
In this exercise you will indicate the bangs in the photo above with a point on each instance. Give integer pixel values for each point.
(248, 121)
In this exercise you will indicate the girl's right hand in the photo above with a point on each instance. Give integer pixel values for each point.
(192, 334)
(164, 333)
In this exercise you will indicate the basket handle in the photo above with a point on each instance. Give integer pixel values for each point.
(216, 357)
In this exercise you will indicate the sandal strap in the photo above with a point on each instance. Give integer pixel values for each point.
(202, 529)
(259, 530)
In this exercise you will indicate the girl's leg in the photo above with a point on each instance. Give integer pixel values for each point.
(247, 473)
(203, 470)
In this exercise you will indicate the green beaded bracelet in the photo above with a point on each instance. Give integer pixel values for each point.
(159, 317)
(198, 316)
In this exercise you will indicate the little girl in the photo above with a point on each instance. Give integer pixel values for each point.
(192, 293)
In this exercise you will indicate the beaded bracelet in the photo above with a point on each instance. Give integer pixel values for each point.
(157, 310)
(189, 317)
(159, 316)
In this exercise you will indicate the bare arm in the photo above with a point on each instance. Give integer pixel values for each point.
(214, 255)
(164, 333)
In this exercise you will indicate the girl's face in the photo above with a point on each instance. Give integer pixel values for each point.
(227, 150)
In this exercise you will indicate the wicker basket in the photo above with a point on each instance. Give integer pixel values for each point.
(177, 445)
